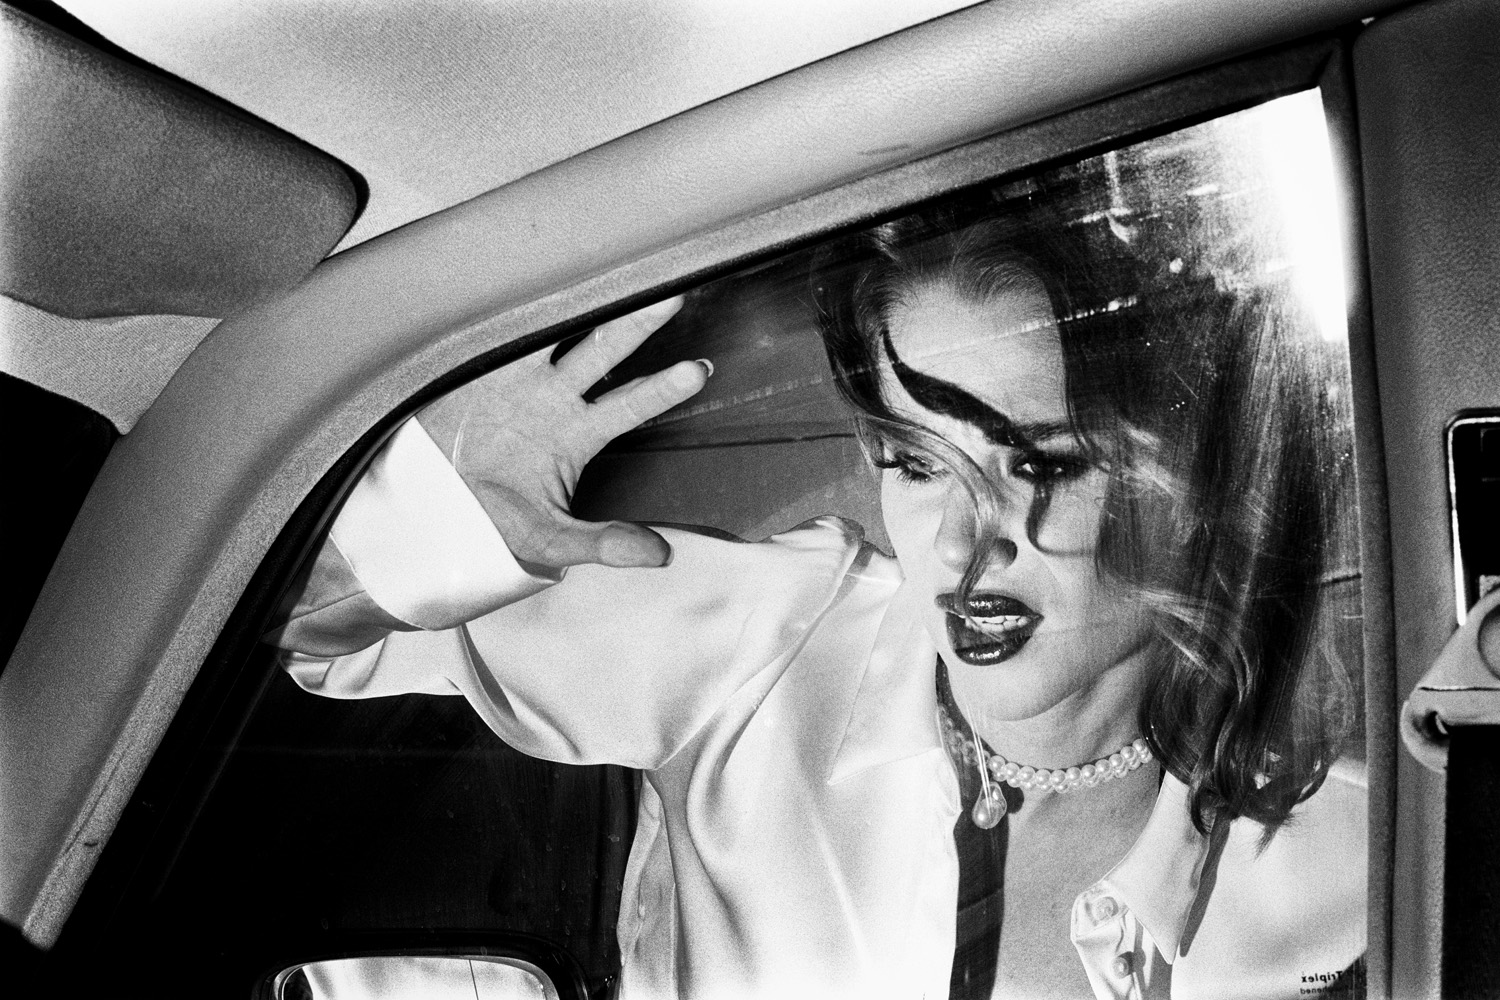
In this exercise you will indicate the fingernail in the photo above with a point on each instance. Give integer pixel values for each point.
(666, 308)
(708, 367)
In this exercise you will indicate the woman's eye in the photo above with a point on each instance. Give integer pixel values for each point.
(1047, 469)
(910, 468)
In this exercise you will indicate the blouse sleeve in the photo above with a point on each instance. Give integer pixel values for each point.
(411, 549)
(416, 593)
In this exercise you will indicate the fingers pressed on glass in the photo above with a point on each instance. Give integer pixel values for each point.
(612, 343)
(637, 401)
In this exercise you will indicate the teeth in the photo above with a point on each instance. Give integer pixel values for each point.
(1004, 623)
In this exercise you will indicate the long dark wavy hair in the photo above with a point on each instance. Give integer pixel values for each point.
(1217, 430)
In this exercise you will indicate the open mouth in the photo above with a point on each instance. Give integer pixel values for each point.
(989, 628)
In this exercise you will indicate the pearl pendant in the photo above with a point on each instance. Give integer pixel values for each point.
(989, 808)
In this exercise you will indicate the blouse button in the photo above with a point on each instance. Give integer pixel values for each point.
(1120, 966)
(1104, 908)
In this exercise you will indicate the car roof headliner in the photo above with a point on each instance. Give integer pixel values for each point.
(436, 101)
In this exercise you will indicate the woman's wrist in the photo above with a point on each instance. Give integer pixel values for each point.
(421, 544)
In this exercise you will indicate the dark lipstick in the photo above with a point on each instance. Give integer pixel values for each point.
(1001, 626)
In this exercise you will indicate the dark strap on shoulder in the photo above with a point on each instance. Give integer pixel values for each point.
(981, 905)
(981, 882)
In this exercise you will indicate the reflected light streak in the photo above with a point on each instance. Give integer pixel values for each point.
(1298, 162)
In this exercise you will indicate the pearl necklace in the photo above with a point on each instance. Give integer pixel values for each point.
(990, 807)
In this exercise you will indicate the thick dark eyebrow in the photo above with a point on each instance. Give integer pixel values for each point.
(944, 397)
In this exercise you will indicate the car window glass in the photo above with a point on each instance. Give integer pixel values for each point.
(1136, 367)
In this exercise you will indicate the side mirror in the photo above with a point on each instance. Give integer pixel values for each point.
(414, 977)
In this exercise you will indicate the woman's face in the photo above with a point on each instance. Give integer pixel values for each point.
(1051, 630)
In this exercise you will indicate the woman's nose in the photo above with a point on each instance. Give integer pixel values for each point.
(958, 535)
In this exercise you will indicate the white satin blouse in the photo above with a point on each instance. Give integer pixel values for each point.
(795, 836)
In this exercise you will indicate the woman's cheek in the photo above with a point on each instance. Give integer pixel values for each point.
(1071, 526)
(895, 513)
(911, 514)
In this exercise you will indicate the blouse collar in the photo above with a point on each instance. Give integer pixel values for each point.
(1162, 879)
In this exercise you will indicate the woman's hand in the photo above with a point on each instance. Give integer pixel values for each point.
(520, 437)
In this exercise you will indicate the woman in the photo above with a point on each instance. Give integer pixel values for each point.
(1106, 517)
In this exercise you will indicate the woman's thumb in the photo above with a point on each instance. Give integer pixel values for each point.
(617, 543)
